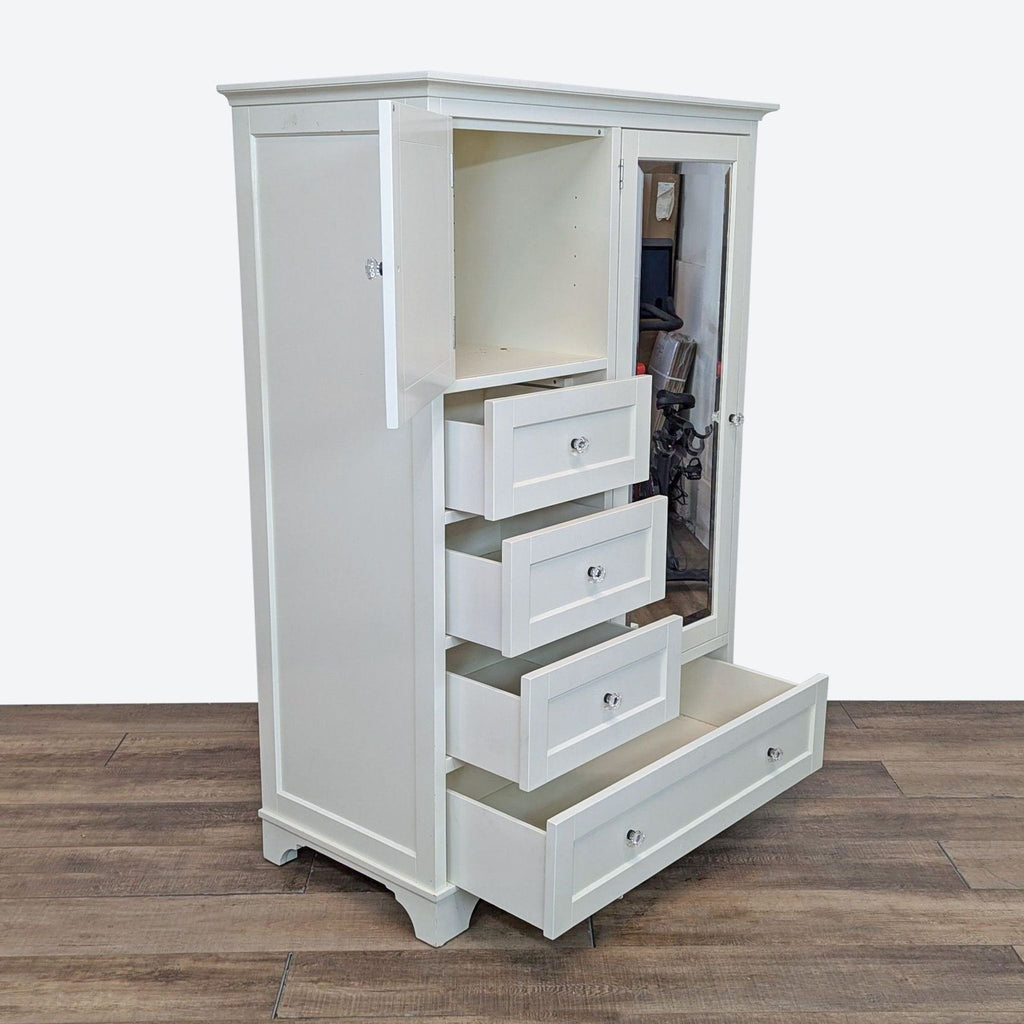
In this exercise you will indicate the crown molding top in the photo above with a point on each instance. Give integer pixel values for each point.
(433, 84)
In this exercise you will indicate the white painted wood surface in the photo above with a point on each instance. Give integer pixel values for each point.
(483, 366)
(678, 785)
(592, 701)
(533, 718)
(363, 579)
(417, 258)
(317, 449)
(549, 577)
(572, 103)
(507, 453)
(532, 241)
(309, 457)
(569, 572)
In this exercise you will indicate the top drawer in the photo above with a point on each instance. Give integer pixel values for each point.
(516, 449)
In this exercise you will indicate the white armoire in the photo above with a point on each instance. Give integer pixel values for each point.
(472, 684)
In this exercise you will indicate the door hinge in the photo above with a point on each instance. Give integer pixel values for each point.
(622, 174)
(451, 170)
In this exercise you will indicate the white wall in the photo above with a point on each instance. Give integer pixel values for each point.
(885, 366)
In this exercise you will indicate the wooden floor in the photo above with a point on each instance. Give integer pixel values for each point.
(889, 887)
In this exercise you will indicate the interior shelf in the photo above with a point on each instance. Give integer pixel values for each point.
(478, 366)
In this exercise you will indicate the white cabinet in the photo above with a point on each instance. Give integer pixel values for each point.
(457, 508)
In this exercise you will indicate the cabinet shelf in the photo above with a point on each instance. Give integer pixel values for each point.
(480, 366)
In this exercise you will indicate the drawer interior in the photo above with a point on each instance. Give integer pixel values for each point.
(482, 538)
(468, 406)
(488, 666)
(712, 694)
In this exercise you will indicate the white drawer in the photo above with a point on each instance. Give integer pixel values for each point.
(520, 583)
(515, 449)
(561, 852)
(533, 718)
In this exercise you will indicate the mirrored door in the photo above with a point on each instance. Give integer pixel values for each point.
(686, 313)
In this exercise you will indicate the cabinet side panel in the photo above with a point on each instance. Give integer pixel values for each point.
(340, 502)
(257, 456)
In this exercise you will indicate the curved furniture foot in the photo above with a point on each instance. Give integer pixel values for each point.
(279, 846)
(436, 921)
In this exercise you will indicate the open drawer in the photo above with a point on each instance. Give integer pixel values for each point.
(557, 854)
(533, 718)
(514, 449)
(524, 582)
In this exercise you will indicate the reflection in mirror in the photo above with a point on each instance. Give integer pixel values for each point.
(685, 210)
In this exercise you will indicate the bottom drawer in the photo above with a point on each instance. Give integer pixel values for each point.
(555, 855)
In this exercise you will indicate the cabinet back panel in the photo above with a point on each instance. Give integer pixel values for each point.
(532, 236)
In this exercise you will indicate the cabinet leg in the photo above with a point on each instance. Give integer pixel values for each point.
(435, 922)
(279, 846)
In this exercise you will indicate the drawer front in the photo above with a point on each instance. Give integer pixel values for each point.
(583, 706)
(564, 578)
(561, 444)
(603, 847)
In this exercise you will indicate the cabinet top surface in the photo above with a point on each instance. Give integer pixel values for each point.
(434, 84)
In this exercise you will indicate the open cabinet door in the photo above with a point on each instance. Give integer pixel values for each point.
(417, 257)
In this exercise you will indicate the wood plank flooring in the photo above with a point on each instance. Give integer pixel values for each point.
(888, 888)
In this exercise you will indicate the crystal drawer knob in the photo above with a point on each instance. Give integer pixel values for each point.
(634, 837)
(579, 444)
(596, 573)
(612, 700)
(774, 753)
(374, 268)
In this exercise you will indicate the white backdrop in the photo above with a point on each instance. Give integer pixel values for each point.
(880, 525)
